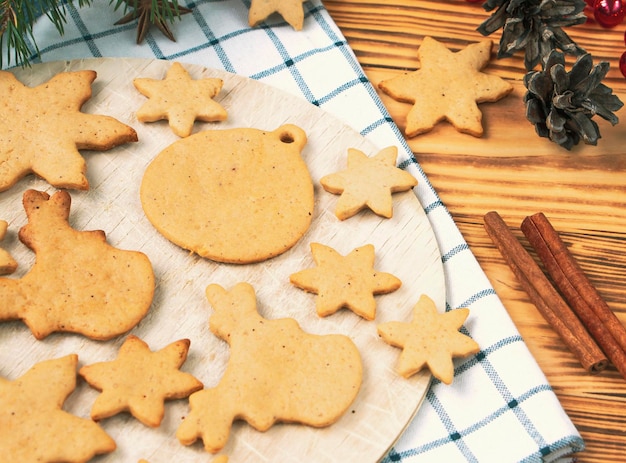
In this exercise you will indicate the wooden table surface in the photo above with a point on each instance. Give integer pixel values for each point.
(513, 171)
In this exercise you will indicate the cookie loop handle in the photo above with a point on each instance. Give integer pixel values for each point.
(291, 134)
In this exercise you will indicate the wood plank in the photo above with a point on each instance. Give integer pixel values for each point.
(513, 171)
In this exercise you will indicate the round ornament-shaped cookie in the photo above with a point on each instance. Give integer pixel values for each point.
(236, 195)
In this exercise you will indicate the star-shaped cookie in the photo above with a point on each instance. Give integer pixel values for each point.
(368, 182)
(447, 86)
(291, 11)
(7, 263)
(345, 281)
(180, 99)
(139, 381)
(431, 339)
(34, 426)
(42, 128)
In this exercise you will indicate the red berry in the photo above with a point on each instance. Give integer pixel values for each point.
(622, 64)
(609, 13)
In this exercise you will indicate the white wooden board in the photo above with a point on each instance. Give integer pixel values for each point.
(405, 246)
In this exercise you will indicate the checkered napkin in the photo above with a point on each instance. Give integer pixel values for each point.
(499, 407)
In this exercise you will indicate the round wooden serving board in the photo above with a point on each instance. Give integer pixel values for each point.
(405, 246)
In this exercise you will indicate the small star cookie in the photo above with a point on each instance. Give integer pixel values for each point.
(139, 381)
(42, 128)
(291, 11)
(431, 339)
(34, 425)
(368, 182)
(447, 86)
(7, 263)
(349, 281)
(180, 99)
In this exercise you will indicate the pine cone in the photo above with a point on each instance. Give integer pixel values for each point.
(534, 26)
(561, 104)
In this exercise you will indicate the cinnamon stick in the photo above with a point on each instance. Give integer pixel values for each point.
(576, 288)
(544, 296)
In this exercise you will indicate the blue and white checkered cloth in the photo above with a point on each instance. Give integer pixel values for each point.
(500, 408)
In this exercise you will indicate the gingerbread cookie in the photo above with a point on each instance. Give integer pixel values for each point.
(447, 86)
(42, 128)
(7, 263)
(78, 283)
(431, 339)
(276, 372)
(292, 11)
(140, 381)
(345, 281)
(34, 426)
(368, 182)
(236, 196)
(180, 100)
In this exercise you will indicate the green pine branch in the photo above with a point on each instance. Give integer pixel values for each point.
(17, 18)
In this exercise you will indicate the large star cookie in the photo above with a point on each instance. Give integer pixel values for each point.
(79, 283)
(345, 281)
(139, 381)
(447, 86)
(34, 426)
(275, 372)
(42, 129)
(291, 11)
(368, 182)
(180, 99)
(7, 263)
(431, 339)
